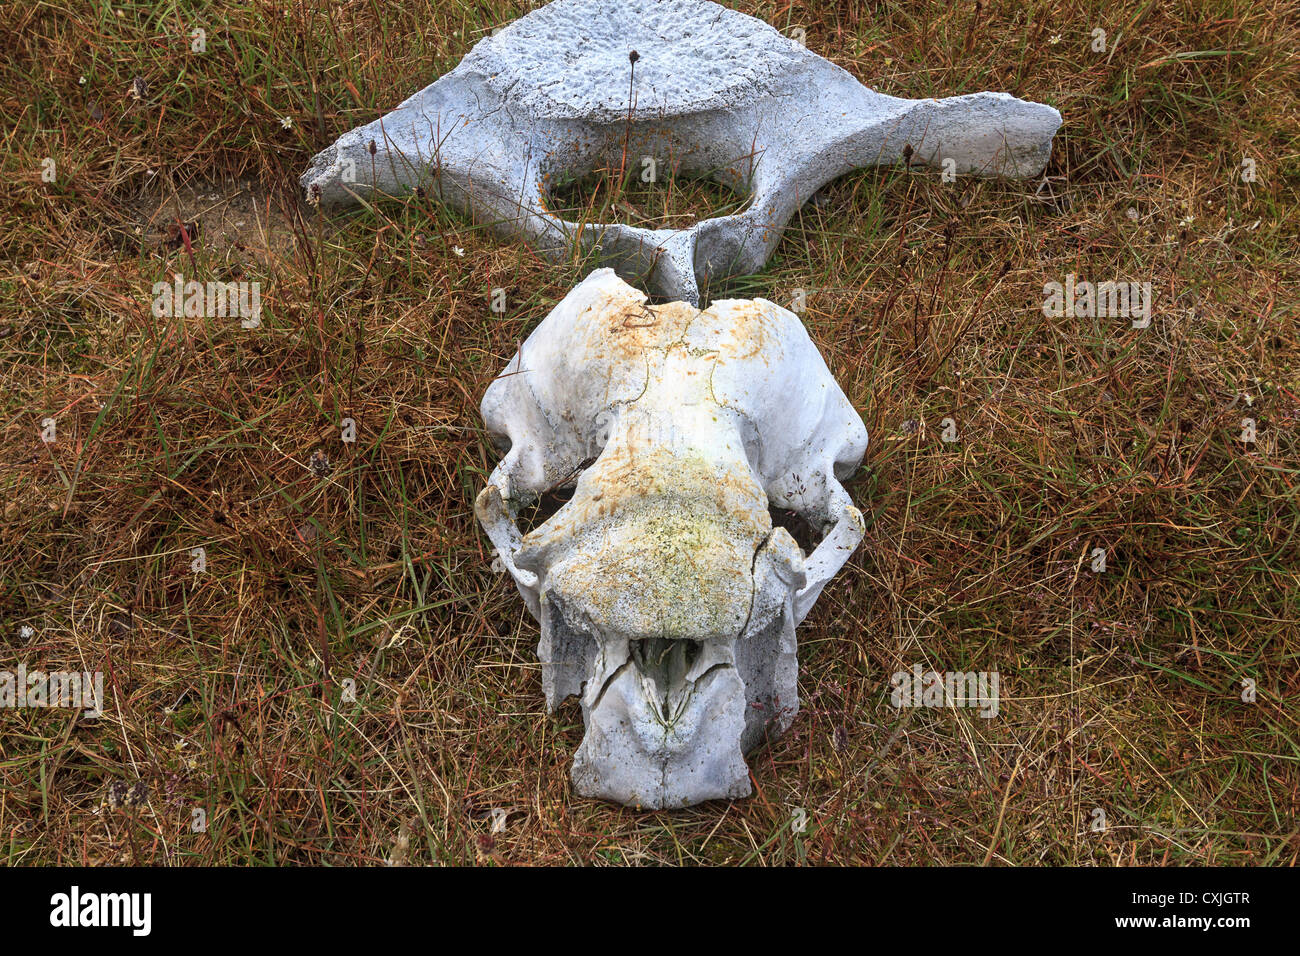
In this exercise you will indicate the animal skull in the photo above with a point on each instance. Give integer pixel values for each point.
(666, 597)
(722, 95)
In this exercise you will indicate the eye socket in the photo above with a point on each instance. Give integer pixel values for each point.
(542, 510)
(800, 530)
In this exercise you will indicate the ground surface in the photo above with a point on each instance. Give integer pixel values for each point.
(225, 691)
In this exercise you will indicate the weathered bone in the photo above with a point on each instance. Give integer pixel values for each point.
(722, 94)
(666, 597)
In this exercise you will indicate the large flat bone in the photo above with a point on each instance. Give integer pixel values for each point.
(723, 94)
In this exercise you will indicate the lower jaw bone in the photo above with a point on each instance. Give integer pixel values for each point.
(664, 729)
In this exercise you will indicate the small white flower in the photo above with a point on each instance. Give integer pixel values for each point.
(1056, 38)
(1186, 220)
(286, 122)
(25, 632)
(458, 250)
(82, 80)
(1132, 213)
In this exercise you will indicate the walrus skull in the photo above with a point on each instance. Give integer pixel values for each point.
(666, 597)
(716, 93)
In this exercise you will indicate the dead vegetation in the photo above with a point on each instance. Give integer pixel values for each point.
(347, 681)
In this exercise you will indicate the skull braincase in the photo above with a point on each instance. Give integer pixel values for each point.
(667, 600)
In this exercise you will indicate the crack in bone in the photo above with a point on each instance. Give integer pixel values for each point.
(662, 579)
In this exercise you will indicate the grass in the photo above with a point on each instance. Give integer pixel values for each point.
(228, 691)
(640, 198)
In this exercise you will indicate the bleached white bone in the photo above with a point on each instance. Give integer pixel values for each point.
(713, 92)
(667, 600)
